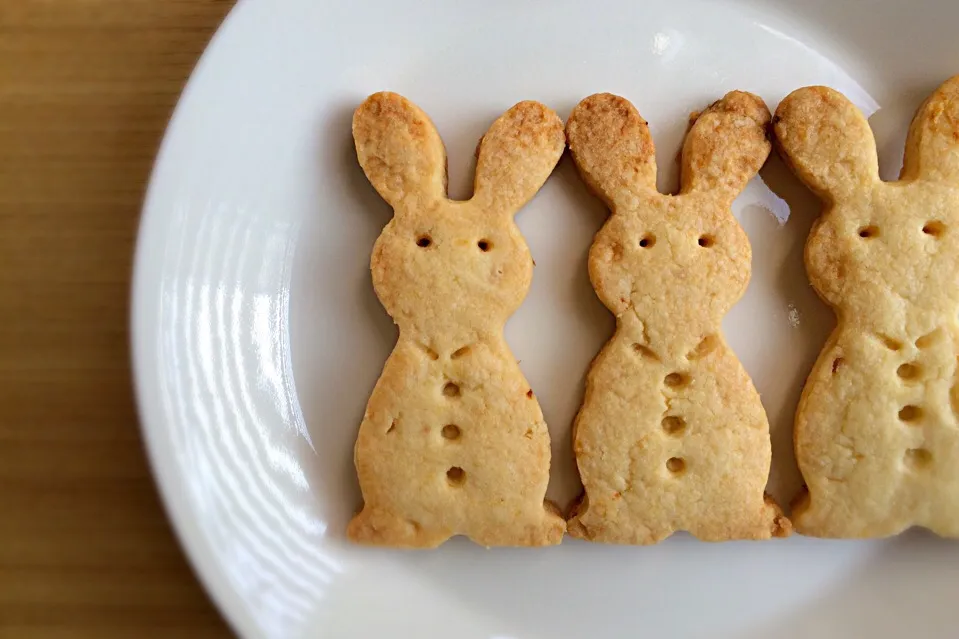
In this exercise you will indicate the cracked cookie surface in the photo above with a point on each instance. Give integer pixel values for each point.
(671, 434)
(876, 433)
(453, 440)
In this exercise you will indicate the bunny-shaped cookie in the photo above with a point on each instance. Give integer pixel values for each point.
(877, 435)
(453, 440)
(671, 435)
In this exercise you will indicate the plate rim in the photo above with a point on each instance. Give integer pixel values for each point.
(167, 485)
(152, 421)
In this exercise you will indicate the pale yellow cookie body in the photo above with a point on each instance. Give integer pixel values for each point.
(671, 435)
(453, 440)
(877, 436)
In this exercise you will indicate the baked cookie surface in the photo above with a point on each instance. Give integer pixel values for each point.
(453, 440)
(671, 434)
(876, 433)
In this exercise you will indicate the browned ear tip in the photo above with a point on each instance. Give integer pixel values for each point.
(934, 113)
(516, 156)
(398, 148)
(795, 110)
(933, 140)
(950, 86)
(726, 145)
(535, 124)
(827, 142)
(602, 109)
(611, 147)
(744, 104)
(378, 107)
(803, 101)
(534, 112)
(378, 102)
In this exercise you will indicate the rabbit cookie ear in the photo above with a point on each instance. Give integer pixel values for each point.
(516, 155)
(726, 145)
(612, 147)
(932, 146)
(399, 150)
(827, 141)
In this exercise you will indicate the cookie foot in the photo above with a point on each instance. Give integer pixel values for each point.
(377, 528)
(548, 531)
(583, 524)
(810, 519)
(779, 524)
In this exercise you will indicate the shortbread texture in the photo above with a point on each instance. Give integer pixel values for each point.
(453, 441)
(671, 434)
(876, 434)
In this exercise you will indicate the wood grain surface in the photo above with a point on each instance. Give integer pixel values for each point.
(86, 89)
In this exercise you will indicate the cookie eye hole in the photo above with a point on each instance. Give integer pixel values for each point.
(910, 413)
(648, 241)
(676, 465)
(451, 390)
(869, 232)
(706, 241)
(485, 245)
(456, 476)
(424, 241)
(934, 228)
(451, 431)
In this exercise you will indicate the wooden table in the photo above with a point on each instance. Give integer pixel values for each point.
(86, 88)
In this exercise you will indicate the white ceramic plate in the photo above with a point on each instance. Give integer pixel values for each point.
(257, 337)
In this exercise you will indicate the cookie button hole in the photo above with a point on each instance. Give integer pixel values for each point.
(456, 476)
(869, 232)
(674, 424)
(676, 465)
(648, 241)
(706, 241)
(451, 432)
(934, 228)
(676, 380)
(451, 390)
(424, 241)
(918, 458)
(908, 371)
(485, 245)
(910, 413)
